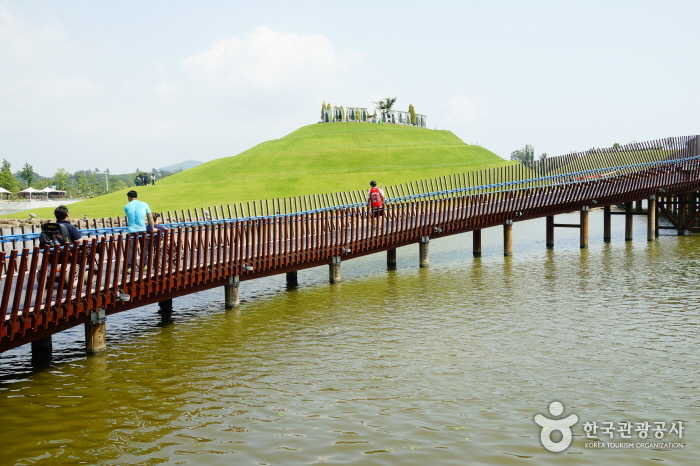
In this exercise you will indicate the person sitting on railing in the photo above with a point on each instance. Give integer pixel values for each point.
(56, 235)
(375, 200)
(138, 214)
(59, 233)
(61, 214)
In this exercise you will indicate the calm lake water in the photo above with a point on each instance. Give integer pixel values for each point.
(441, 366)
(10, 207)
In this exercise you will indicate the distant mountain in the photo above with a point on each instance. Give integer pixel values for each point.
(177, 167)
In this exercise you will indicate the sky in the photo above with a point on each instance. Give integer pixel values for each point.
(132, 84)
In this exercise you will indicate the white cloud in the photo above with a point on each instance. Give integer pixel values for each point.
(63, 104)
(267, 60)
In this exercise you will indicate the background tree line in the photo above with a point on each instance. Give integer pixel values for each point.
(79, 184)
(526, 155)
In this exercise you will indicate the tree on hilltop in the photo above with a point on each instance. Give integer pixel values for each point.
(526, 155)
(386, 103)
(412, 113)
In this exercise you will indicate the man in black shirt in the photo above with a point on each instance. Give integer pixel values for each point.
(61, 214)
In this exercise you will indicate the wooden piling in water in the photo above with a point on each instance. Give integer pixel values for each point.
(549, 241)
(682, 213)
(583, 229)
(629, 218)
(334, 270)
(476, 243)
(656, 219)
(508, 238)
(96, 332)
(423, 260)
(687, 211)
(232, 298)
(391, 259)
(606, 224)
(165, 309)
(42, 351)
(292, 279)
(652, 224)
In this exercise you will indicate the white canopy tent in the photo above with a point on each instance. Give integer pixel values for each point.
(4, 193)
(29, 192)
(52, 192)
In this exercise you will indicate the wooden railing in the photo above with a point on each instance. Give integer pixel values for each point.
(48, 290)
(593, 163)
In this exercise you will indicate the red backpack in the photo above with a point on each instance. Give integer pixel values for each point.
(375, 197)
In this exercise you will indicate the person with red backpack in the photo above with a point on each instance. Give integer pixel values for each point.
(375, 200)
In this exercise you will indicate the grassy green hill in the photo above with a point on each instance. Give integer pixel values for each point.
(313, 159)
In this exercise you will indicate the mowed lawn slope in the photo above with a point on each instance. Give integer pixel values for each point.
(313, 159)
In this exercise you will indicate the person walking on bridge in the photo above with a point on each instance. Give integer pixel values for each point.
(375, 200)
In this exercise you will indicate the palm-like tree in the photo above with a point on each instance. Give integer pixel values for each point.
(526, 155)
(384, 106)
(386, 103)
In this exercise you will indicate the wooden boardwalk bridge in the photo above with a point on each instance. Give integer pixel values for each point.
(45, 291)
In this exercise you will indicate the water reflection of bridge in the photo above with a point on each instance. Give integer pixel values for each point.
(47, 291)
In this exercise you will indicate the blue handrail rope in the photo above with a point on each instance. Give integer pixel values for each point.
(112, 230)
